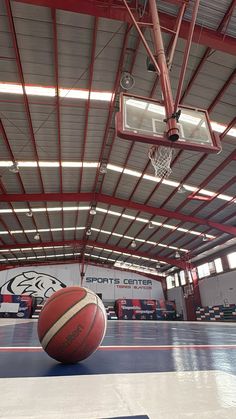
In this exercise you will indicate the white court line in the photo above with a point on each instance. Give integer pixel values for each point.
(104, 347)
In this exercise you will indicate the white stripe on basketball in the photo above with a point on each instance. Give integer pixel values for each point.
(88, 299)
(101, 306)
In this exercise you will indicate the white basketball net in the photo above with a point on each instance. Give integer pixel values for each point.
(161, 158)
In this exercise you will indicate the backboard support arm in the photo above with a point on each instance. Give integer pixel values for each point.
(159, 61)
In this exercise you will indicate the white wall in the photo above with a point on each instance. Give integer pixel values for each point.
(214, 290)
(112, 284)
(177, 295)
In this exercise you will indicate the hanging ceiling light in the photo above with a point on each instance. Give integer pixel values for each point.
(205, 238)
(29, 214)
(14, 168)
(133, 243)
(88, 232)
(182, 189)
(92, 210)
(150, 225)
(177, 255)
(37, 236)
(103, 168)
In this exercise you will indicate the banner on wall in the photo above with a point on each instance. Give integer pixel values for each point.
(166, 310)
(14, 306)
(35, 284)
(136, 309)
(145, 284)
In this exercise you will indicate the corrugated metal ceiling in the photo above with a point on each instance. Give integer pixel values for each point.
(87, 127)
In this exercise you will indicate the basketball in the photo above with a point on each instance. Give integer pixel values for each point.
(72, 324)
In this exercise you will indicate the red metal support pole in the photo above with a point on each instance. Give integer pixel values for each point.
(186, 54)
(227, 129)
(174, 42)
(172, 129)
(142, 37)
(82, 273)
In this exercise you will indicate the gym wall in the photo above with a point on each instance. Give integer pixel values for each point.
(217, 290)
(42, 281)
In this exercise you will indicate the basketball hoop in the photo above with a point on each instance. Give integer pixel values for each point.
(188, 290)
(161, 158)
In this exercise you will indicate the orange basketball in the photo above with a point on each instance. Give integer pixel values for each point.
(72, 324)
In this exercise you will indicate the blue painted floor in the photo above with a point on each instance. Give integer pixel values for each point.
(128, 347)
(152, 370)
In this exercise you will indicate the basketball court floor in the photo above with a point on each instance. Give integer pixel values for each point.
(142, 370)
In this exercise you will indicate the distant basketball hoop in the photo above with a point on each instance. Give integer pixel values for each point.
(188, 290)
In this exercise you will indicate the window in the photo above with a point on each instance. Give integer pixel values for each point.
(232, 260)
(218, 265)
(190, 277)
(182, 278)
(203, 270)
(170, 282)
(176, 280)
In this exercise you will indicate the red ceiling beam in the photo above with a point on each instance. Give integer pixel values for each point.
(227, 129)
(99, 8)
(88, 104)
(222, 91)
(58, 115)
(110, 200)
(109, 138)
(220, 28)
(25, 98)
(3, 190)
(82, 243)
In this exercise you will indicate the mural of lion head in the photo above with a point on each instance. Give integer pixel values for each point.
(32, 283)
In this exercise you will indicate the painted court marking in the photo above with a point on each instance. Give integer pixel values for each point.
(125, 348)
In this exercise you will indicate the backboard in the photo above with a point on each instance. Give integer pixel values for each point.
(142, 119)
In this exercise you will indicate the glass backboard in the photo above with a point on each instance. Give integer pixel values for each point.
(142, 119)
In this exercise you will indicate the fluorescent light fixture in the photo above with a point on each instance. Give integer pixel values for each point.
(132, 172)
(49, 164)
(105, 96)
(115, 168)
(40, 91)
(32, 90)
(84, 94)
(11, 88)
(217, 127)
(28, 164)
